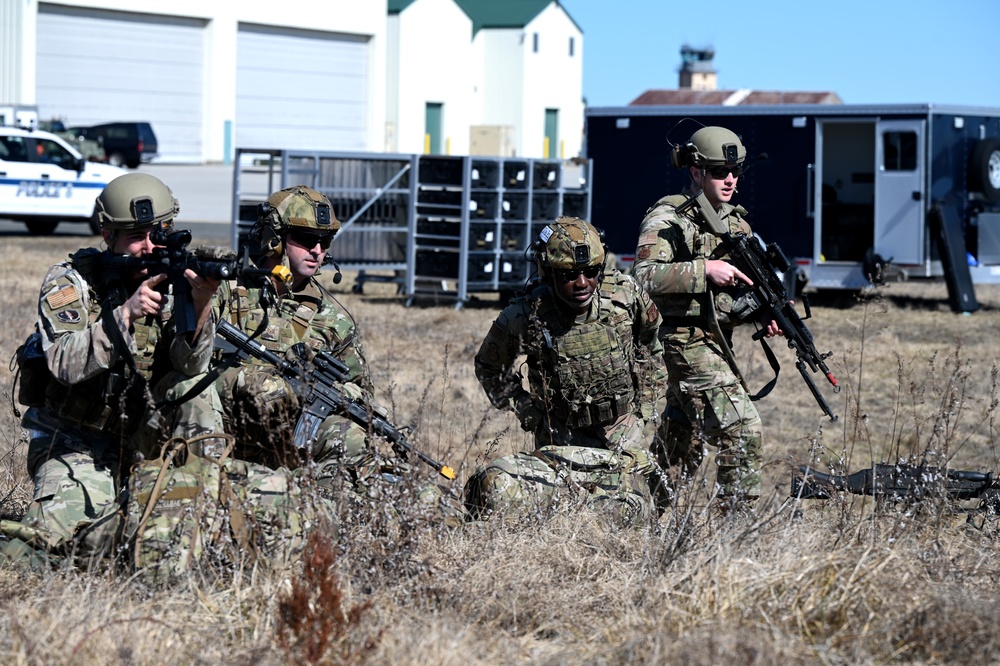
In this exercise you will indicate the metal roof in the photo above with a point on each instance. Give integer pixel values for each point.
(792, 110)
(687, 96)
(505, 13)
(396, 6)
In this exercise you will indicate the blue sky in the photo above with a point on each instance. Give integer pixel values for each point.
(868, 52)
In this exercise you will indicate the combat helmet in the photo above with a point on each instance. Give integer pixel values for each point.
(136, 201)
(293, 208)
(569, 243)
(710, 146)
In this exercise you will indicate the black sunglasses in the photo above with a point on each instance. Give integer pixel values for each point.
(720, 172)
(571, 274)
(309, 239)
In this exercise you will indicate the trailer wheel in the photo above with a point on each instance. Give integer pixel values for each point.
(874, 267)
(984, 169)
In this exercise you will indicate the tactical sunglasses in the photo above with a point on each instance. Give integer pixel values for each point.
(309, 239)
(720, 172)
(571, 274)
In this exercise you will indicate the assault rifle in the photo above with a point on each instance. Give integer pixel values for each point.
(900, 483)
(170, 255)
(768, 298)
(322, 393)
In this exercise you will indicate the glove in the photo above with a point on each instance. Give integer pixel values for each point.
(527, 413)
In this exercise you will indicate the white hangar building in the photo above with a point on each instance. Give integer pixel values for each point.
(438, 76)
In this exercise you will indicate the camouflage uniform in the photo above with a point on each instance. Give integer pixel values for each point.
(706, 401)
(260, 408)
(220, 510)
(93, 384)
(591, 381)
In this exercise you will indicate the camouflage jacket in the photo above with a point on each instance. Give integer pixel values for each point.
(610, 355)
(90, 368)
(670, 261)
(311, 315)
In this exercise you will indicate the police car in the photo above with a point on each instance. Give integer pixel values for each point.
(45, 181)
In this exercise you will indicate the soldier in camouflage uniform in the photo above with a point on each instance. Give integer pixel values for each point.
(678, 261)
(105, 349)
(295, 227)
(590, 336)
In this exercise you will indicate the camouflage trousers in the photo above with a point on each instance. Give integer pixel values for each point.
(261, 411)
(76, 507)
(707, 406)
(611, 468)
(187, 511)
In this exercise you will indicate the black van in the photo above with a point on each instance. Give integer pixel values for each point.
(125, 143)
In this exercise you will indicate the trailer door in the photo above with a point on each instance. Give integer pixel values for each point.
(899, 191)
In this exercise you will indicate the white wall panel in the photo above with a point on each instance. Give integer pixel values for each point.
(301, 89)
(97, 66)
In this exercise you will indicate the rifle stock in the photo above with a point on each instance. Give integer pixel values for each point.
(769, 298)
(321, 390)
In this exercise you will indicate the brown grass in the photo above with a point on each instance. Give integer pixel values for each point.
(839, 581)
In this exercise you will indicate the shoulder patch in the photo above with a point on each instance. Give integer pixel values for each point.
(644, 252)
(62, 297)
(68, 316)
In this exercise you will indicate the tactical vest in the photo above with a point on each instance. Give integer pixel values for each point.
(306, 317)
(584, 370)
(680, 308)
(99, 403)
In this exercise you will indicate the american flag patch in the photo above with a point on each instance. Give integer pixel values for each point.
(63, 297)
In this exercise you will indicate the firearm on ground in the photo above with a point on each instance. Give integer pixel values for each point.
(900, 483)
(321, 387)
(769, 300)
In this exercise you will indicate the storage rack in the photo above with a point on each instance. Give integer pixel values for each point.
(447, 226)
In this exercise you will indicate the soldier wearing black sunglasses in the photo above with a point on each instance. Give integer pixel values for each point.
(593, 368)
(679, 262)
(294, 228)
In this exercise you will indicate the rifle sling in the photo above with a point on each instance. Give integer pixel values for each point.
(207, 380)
(773, 362)
(731, 359)
(114, 333)
(211, 375)
(713, 322)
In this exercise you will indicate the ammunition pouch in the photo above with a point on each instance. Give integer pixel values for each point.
(110, 403)
(594, 381)
(33, 375)
(744, 307)
(602, 412)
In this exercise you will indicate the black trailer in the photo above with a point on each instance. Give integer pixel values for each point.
(843, 188)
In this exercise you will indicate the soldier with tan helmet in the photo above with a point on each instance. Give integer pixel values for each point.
(678, 261)
(295, 228)
(589, 334)
(105, 349)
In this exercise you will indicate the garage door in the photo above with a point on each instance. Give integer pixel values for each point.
(301, 89)
(98, 66)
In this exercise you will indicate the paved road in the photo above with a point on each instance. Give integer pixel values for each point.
(204, 191)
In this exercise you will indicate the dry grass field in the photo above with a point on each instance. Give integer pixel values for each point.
(843, 581)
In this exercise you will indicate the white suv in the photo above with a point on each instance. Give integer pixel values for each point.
(45, 181)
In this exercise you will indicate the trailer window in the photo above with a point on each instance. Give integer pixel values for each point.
(899, 151)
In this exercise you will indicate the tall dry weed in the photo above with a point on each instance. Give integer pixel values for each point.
(841, 581)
